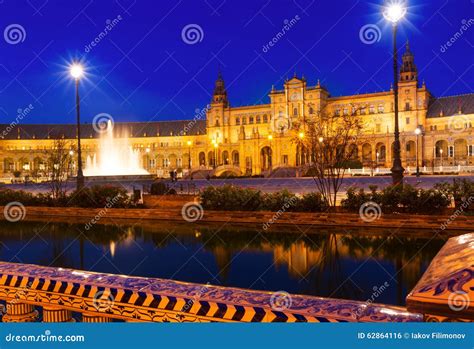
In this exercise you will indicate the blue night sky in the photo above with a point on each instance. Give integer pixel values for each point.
(142, 69)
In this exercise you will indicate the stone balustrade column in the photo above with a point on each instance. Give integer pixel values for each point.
(53, 314)
(20, 312)
(94, 318)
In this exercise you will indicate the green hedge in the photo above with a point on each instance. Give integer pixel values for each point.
(96, 196)
(393, 199)
(231, 198)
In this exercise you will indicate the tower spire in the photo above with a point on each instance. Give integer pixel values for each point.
(220, 92)
(408, 70)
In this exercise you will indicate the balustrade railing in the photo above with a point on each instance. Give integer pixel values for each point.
(35, 293)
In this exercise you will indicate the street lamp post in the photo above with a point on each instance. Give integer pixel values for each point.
(394, 12)
(77, 72)
(417, 133)
(189, 155)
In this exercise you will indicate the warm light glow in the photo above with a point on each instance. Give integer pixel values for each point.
(320, 139)
(441, 151)
(216, 145)
(147, 150)
(213, 141)
(71, 152)
(270, 137)
(115, 157)
(189, 143)
(301, 135)
(77, 71)
(394, 12)
(417, 131)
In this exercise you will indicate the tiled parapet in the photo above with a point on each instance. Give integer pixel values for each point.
(146, 299)
(446, 290)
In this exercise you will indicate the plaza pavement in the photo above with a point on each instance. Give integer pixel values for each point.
(295, 185)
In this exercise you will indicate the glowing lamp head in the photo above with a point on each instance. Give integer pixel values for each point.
(301, 135)
(216, 145)
(76, 71)
(395, 12)
(417, 131)
(320, 139)
(270, 137)
(189, 143)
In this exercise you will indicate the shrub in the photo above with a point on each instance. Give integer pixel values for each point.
(276, 201)
(8, 195)
(231, 198)
(355, 199)
(393, 199)
(311, 202)
(158, 188)
(459, 191)
(100, 196)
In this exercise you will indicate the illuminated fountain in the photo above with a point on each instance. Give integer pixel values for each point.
(116, 157)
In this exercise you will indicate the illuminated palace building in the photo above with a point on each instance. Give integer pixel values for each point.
(262, 139)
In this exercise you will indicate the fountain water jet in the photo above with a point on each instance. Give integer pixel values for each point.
(116, 157)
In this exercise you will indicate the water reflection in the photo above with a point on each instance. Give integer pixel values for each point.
(324, 262)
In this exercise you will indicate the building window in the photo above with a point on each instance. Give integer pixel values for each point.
(244, 121)
(371, 109)
(311, 110)
(470, 149)
(346, 111)
(285, 159)
(363, 110)
(381, 108)
(451, 151)
(354, 110)
(407, 106)
(295, 111)
(265, 118)
(407, 121)
(337, 112)
(251, 120)
(237, 121)
(258, 119)
(408, 146)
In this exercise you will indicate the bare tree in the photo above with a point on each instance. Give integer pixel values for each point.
(328, 140)
(59, 163)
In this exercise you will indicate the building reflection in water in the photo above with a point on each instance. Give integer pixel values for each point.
(319, 263)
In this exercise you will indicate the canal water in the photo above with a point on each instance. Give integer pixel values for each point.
(380, 266)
